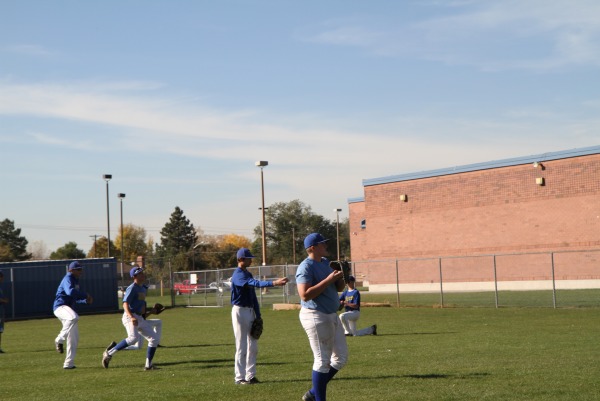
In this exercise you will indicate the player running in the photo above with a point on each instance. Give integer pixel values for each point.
(134, 320)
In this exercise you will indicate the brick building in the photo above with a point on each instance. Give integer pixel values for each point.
(534, 205)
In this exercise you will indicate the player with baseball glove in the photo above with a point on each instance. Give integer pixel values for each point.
(245, 316)
(318, 285)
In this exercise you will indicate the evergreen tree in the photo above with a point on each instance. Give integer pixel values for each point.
(68, 251)
(177, 238)
(13, 247)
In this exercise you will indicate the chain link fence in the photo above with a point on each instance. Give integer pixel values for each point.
(543, 279)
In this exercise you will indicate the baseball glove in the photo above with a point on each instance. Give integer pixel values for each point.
(257, 328)
(158, 309)
(342, 265)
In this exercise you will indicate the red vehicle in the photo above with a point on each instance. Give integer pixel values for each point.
(186, 288)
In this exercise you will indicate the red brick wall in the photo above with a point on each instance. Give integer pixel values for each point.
(500, 210)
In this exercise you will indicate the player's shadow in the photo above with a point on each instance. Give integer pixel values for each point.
(205, 363)
(417, 334)
(196, 346)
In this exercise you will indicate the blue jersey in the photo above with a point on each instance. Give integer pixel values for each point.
(68, 292)
(312, 272)
(242, 289)
(351, 297)
(135, 296)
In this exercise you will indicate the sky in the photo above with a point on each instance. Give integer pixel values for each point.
(178, 100)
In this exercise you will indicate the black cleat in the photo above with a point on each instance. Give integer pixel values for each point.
(374, 329)
(69, 367)
(241, 382)
(59, 348)
(151, 367)
(254, 380)
(308, 397)
(105, 357)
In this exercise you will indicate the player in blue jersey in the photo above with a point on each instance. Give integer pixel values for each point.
(244, 310)
(318, 286)
(134, 320)
(67, 295)
(3, 300)
(350, 300)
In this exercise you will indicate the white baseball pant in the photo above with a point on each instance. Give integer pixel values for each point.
(156, 327)
(69, 333)
(349, 320)
(143, 328)
(246, 346)
(327, 340)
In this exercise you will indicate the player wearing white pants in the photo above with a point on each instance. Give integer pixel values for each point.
(318, 286)
(244, 311)
(350, 300)
(134, 321)
(67, 295)
(246, 346)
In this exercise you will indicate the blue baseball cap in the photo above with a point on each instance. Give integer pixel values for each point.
(351, 278)
(135, 271)
(313, 239)
(75, 266)
(244, 253)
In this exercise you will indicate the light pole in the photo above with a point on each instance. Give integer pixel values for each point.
(262, 164)
(121, 197)
(107, 178)
(337, 218)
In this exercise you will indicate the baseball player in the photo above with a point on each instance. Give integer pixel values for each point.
(67, 295)
(134, 320)
(155, 323)
(318, 287)
(350, 300)
(244, 311)
(3, 300)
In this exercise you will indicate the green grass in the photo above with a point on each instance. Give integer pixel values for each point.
(419, 354)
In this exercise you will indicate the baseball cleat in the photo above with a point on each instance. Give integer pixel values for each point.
(374, 329)
(241, 382)
(69, 367)
(59, 347)
(254, 380)
(151, 367)
(105, 357)
(308, 396)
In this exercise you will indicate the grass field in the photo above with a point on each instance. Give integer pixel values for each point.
(419, 354)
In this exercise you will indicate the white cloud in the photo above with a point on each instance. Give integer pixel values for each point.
(29, 50)
(488, 35)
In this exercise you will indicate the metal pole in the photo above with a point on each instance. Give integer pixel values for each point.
(397, 286)
(294, 244)
(337, 215)
(122, 249)
(553, 282)
(495, 282)
(441, 284)
(108, 220)
(264, 238)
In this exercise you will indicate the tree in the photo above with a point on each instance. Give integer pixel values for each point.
(134, 243)
(38, 250)
(100, 249)
(177, 238)
(13, 247)
(286, 226)
(218, 251)
(68, 251)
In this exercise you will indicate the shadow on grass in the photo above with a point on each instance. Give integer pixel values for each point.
(416, 334)
(196, 346)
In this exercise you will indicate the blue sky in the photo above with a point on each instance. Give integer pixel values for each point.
(178, 99)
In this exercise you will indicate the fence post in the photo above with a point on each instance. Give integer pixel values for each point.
(553, 282)
(260, 277)
(441, 283)
(397, 286)
(171, 279)
(495, 282)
